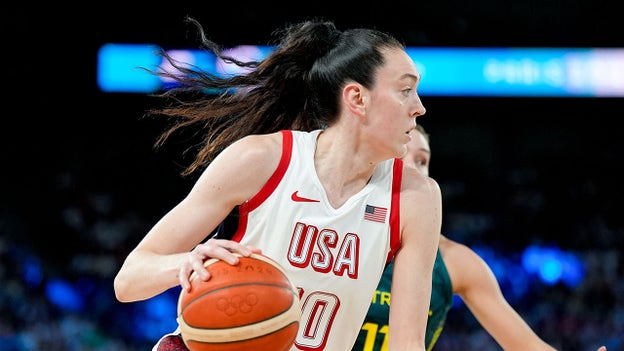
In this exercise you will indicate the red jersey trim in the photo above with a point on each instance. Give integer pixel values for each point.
(268, 188)
(395, 208)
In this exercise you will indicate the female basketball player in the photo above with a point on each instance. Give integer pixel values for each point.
(331, 203)
(457, 270)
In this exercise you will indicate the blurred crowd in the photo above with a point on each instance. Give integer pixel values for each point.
(56, 286)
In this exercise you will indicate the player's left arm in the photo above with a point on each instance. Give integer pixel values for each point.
(421, 216)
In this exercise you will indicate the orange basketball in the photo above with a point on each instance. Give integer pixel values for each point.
(250, 306)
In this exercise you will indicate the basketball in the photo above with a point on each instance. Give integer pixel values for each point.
(250, 306)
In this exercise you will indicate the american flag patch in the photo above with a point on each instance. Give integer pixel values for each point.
(375, 214)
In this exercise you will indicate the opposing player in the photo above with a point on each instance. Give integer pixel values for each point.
(457, 270)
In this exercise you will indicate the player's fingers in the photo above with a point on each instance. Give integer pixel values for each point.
(184, 277)
(225, 250)
(213, 248)
(193, 264)
(184, 283)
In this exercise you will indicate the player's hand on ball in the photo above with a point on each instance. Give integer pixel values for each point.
(252, 305)
(213, 248)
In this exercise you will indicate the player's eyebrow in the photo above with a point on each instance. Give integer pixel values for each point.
(411, 76)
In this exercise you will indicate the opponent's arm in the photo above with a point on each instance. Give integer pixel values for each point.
(475, 282)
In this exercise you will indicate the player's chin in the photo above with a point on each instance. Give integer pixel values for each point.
(402, 154)
(406, 138)
(401, 151)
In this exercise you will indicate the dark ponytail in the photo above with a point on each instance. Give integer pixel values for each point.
(296, 87)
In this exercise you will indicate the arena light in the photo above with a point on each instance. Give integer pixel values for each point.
(553, 265)
(514, 72)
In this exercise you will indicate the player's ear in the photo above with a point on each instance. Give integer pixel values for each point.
(354, 98)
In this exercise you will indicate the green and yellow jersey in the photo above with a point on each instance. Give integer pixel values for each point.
(374, 333)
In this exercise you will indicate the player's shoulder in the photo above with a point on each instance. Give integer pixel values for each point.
(257, 147)
(464, 265)
(412, 180)
(271, 139)
(452, 248)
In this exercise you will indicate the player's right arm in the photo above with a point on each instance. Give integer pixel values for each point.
(475, 282)
(172, 249)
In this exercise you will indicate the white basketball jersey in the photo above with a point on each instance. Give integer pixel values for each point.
(335, 256)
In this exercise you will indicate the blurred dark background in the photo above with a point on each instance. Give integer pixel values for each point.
(81, 184)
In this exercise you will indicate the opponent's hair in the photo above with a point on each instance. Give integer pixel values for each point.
(297, 86)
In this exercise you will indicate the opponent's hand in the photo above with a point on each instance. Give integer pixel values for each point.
(213, 248)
